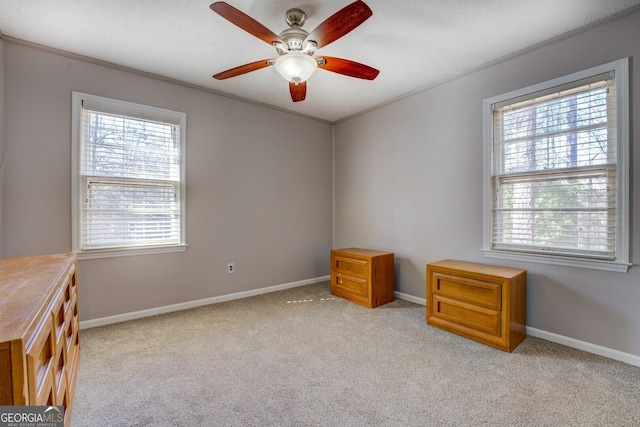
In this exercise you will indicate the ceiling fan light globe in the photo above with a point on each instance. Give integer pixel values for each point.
(296, 66)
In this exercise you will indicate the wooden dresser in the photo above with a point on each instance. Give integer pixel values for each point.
(39, 331)
(482, 302)
(363, 276)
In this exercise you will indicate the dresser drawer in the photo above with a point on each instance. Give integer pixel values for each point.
(467, 315)
(477, 292)
(58, 311)
(354, 285)
(40, 359)
(60, 377)
(351, 266)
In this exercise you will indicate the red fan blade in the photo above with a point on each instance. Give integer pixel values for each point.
(340, 23)
(243, 69)
(245, 22)
(298, 92)
(348, 68)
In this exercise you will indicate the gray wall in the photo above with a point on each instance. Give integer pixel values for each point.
(408, 178)
(259, 187)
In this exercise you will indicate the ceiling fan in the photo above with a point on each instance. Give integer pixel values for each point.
(296, 47)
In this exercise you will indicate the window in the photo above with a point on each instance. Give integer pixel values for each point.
(128, 181)
(556, 175)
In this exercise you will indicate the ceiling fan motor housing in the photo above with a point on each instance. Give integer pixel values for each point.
(294, 38)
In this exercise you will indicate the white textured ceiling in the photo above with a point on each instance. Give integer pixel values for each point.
(414, 43)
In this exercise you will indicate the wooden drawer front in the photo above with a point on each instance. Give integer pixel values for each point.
(6, 395)
(60, 359)
(73, 284)
(72, 342)
(62, 398)
(71, 310)
(69, 298)
(60, 377)
(467, 315)
(67, 291)
(472, 291)
(59, 316)
(353, 285)
(351, 266)
(40, 360)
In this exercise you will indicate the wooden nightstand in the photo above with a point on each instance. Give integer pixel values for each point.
(363, 276)
(485, 303)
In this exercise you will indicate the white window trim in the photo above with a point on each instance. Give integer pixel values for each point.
(137, 110)
(622, 263)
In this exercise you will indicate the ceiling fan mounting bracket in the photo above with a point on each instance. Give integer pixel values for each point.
(295, 18)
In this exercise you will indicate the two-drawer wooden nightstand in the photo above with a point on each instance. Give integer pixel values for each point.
(363, 276)
(485, 303)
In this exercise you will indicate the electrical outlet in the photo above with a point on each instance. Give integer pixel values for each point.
(231, 268)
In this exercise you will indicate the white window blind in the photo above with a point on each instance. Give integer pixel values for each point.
(556, 171)
(554, 182)
(130, 177)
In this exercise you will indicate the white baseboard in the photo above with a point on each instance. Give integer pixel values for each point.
(410, 298)
(631, 359)
(86, 324)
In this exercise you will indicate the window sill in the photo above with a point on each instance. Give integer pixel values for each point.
(113, 253)
(592, 264)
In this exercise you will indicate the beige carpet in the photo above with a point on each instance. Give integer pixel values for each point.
(301, 357)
